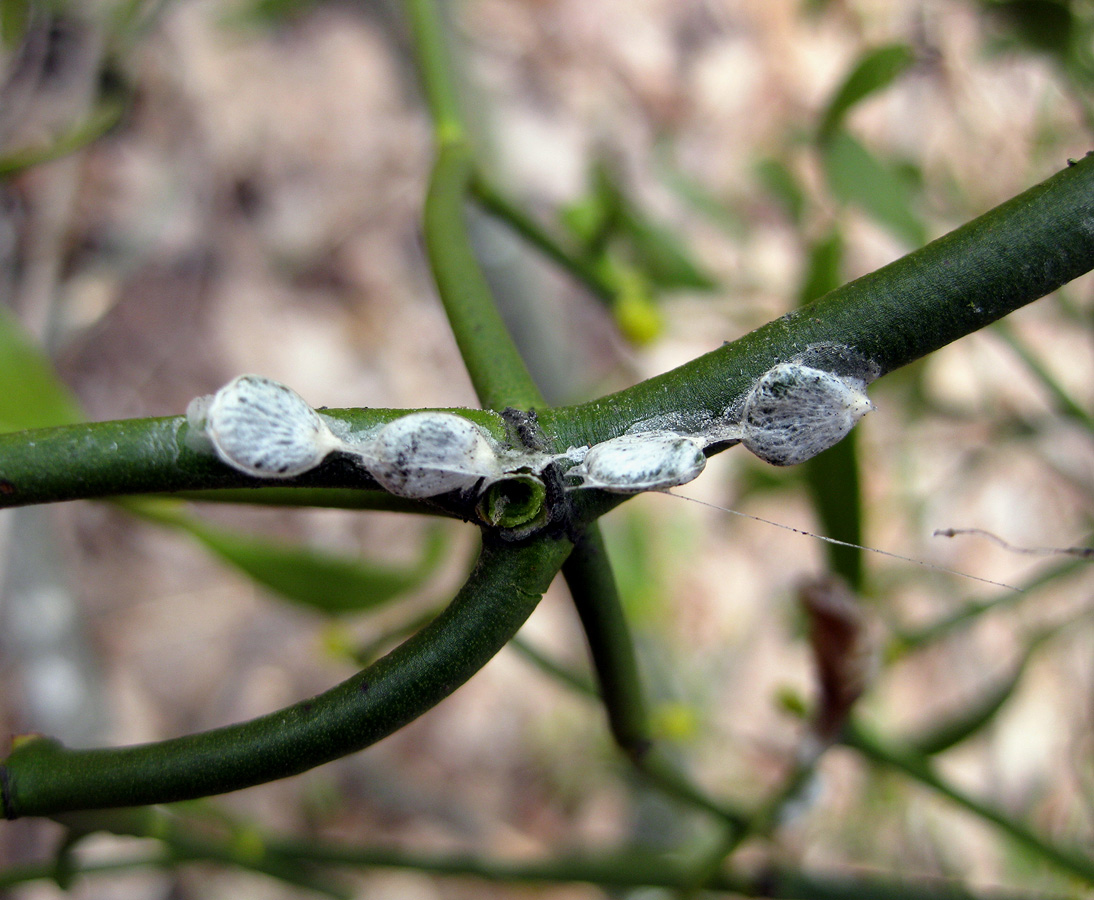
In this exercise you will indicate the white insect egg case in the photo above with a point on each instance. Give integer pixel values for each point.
(795, 412)
(645, 461)
(264, 428)
(429, 453)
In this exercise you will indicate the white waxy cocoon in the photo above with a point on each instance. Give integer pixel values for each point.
(794, 412)
(645, 461)
(264, 428)
(429, 453)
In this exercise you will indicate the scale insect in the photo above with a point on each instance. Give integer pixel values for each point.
(644, 461)
(429, 453)
(263, 428)
(795, 412)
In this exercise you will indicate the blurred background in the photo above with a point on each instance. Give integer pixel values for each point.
(244, 194)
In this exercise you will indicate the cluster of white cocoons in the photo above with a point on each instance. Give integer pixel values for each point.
(263, 428)
(267, 430)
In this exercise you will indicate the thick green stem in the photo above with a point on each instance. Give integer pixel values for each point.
(41, 777)
(978, 273)
(137, 456)
(497, 370)
(1005, 259)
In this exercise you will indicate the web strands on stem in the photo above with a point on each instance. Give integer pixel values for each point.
(839, 543)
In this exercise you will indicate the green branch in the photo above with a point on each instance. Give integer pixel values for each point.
(588, 575)
(497, 370)
(139, 456)
(999, 262)
(436, 69)
(618, 871)
(40, 777)
(953, 286)
(228, 841)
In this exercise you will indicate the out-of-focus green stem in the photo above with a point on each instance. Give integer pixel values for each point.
(588, 575)
(759, 822)
(970, 613)
(498, 373)
(654, 766)
(575, 681)
(245, 849)
(436, 69)
(919, 768)
(637, 870)
(501, 207)
(633, 871)
(41, 777)
(1064, 401)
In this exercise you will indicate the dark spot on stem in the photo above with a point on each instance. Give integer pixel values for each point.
(363, 687)
(7, 811)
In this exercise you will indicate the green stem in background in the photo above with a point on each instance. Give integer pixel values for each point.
(243, 848)
(919, 768)
(967, 615)
(834, 484)
(497, 371)
(654, 766)
(616, 871)
(502, 208)
(435, 67)
(1063, 400)
(588, 575)
(574, 680)
(761, 821)
(999, 262)
(234, 843)
(40, 777)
